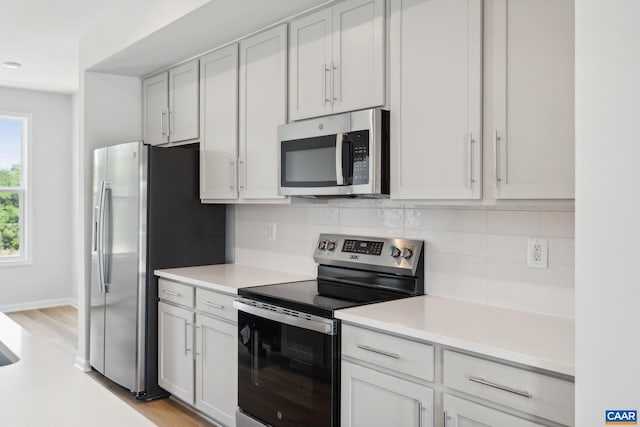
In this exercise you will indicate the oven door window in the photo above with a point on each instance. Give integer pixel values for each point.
(309, 162)
(287, 376)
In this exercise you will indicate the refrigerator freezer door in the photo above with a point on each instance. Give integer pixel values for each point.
(123, 266)
(97, 298)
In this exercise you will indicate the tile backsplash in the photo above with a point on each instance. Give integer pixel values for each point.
(476, 254)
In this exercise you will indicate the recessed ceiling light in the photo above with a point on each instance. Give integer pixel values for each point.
(11, 64)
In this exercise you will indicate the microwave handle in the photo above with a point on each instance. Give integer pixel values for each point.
(339, 172)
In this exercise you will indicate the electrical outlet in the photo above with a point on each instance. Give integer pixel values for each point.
(537, 251)
(273, 231)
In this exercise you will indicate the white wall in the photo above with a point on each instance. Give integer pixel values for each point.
(47, 281)
(473, 254)
(607, 208)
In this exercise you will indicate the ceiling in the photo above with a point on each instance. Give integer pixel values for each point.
(43, 35)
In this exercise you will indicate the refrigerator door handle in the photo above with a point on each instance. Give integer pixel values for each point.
(100, 237)
(108, 241)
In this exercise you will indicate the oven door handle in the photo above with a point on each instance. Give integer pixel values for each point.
(310, 322)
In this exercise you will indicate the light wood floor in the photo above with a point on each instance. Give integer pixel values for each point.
(59, 326)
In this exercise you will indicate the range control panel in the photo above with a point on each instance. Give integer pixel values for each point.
(375, 253)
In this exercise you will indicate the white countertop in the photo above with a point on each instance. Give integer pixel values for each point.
(44, 388)
(228, 278)
(536, 340)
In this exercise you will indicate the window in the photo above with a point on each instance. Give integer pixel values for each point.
(13, 188)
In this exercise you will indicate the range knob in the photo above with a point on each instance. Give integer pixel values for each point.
(322, 244)
(331, 245)
(407, 253)
(395, 252)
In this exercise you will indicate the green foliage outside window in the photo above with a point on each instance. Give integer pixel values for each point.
(10, 212)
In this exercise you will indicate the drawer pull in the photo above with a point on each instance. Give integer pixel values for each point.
(501, 387)
(173, 294)
(381, 352)
(213, 304)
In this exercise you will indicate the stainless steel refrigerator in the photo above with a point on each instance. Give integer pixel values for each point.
(147, 215)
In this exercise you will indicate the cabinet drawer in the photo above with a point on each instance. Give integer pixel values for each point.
(537, 394)
(401, 355)
(216, 303)
(176, 292)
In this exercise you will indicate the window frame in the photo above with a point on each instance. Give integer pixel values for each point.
(23, 190)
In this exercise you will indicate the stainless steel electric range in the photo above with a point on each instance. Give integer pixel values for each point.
(289, 338)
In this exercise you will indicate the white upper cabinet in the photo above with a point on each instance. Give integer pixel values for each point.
(219, 124)
(155, 99)
(310, 66)
(263, 106)
(183, 102)
(337, 59)
(533, 99)
(436, 99)
(171, 105)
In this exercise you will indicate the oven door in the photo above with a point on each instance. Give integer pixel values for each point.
(288, 367)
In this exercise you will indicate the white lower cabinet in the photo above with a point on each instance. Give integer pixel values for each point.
(390, 380)
(216, 369)
(175, 346)
(462, 413)
(197, 351)
(371, 398)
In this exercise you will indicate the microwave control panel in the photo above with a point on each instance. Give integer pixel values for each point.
(360, 155)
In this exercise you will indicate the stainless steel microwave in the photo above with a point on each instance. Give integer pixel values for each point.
(340, 155)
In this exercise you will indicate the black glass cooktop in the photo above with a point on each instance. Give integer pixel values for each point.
(315, 296)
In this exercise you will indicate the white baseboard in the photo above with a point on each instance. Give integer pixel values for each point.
(82, 364)
(35, 305)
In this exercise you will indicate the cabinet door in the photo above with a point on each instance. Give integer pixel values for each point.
(263, 106)
(155, 101)
(175, 351)
(217, 369)
(371, 398)
(462, 413)
(183, 102)
(436, 116)
(310, 66)
(533, 99)
(358, 67)
(219, 124)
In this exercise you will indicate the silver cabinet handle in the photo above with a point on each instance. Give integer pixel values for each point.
(186, 339)
(162, 114)
(501, 387)
(381, 352)
(214, 305)
(324, 84)
(334, 85)
(173, 294)
(496, 174)
(332, 98)
(420, 408)
(170, 123)
(241, 172)
(470, 142)
(232, 178)
(445, 419)
(195, 332)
